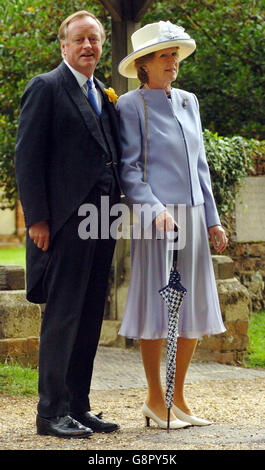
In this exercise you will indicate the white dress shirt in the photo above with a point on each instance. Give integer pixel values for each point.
(82, 79)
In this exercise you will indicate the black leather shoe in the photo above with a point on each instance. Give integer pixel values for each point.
(62, 426)
(95, 422)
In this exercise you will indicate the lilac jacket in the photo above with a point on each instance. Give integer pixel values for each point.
(177, 171)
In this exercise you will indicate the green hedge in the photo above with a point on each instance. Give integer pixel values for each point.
(230, 160)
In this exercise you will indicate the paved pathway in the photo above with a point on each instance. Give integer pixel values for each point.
(122, 368)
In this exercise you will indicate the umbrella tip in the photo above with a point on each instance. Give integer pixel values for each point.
(168, 419)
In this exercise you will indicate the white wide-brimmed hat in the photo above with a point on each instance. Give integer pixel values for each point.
(153, 37)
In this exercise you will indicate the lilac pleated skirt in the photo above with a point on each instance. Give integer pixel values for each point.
(145, 315)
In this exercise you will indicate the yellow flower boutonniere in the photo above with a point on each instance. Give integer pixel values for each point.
(111, 95)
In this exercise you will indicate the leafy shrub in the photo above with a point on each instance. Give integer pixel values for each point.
(230, 159)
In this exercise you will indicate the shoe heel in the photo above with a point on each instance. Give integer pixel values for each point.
(40, 424)
(41, 429)
(147, 421)
(42, 432)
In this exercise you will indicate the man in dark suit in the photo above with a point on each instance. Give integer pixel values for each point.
(67, 154)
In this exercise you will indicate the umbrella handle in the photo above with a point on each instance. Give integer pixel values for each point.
(175, 252)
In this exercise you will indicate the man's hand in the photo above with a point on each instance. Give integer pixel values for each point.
(218, 237)
(164, 222)
(40, 234)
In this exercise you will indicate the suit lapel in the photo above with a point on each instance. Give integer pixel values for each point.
(77, 96)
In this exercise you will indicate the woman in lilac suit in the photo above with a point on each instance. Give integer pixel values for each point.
(164, 165)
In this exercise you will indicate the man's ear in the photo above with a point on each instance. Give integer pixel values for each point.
(63, 45)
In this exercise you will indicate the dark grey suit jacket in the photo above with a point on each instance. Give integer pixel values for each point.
(60, 156)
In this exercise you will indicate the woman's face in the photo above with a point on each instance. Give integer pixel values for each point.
(163, 68)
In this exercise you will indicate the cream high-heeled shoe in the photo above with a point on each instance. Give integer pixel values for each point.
(149, 414)
(192, 420)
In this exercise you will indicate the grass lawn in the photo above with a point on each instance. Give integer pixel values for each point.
(18, 380)
(256, 332)
(13, 255)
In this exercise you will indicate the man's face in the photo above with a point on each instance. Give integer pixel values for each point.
(82, 47)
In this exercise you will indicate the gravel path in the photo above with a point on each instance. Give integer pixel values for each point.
(233, 398)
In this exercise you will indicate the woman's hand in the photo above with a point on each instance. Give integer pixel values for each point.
(218, 237)
(164, 222)
(40, 234)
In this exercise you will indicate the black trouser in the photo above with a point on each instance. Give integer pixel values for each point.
(76, 281)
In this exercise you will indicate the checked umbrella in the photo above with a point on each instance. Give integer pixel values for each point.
(173, 295)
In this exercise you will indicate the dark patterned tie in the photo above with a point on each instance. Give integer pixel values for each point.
(92, 97)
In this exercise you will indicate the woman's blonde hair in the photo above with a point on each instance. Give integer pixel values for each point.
(62, 34)
(139, 65)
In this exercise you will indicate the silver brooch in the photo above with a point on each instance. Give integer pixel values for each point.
(184, 102)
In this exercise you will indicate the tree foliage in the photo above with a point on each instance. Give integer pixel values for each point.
(227, 69)
(225, 72)
(29, 46)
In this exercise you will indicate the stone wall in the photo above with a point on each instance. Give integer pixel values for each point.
(247, 238)
(246, 231)
(19, 319)
(230, 346)
(249, 266)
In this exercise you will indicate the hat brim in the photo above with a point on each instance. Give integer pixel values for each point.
(127, 68)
